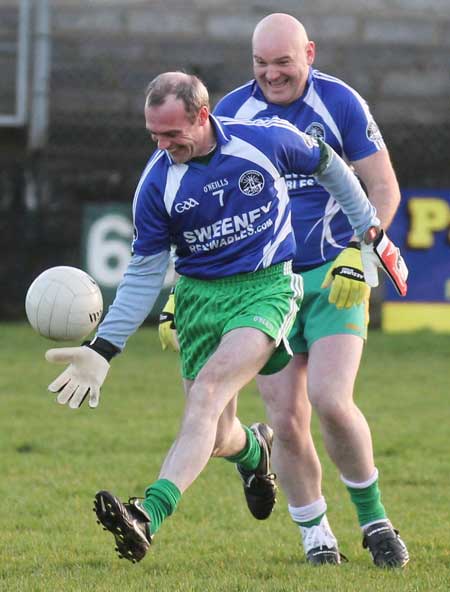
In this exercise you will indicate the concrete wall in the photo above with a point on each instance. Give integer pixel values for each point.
(396, 53)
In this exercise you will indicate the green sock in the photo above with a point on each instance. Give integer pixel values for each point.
(161, 499)
(368, 503)
(250, 455)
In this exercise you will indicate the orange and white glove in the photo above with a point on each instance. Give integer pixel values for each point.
(383, 253)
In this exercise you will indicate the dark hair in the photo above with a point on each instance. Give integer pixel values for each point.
(185, 87)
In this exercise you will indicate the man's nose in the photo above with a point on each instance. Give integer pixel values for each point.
(163, 143)
(272, 73)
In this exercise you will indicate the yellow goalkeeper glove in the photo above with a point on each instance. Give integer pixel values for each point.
(166, 328)
(346, 278)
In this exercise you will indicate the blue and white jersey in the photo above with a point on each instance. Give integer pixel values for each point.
(231, 215)
(331, 110)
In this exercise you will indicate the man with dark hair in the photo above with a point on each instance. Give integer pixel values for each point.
(194, 96)
(215, 189)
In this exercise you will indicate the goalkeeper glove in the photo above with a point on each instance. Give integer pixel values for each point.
(87, 370)
(166, 328)
(384, 254)
(347, 279)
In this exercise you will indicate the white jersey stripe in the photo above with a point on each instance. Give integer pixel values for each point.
(365, 107)
(272, 122)
(147, 169)
(250, 108)
(174, 175)
(315, 102)
(223, 136)
(361, 101)
(239, 148)
(271, 248)
(283, 196)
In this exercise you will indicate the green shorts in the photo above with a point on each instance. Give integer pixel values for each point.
(318, 318)
(205, 310)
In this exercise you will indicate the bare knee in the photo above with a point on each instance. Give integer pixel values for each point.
(290, 418)
(203, 399)
(332, 406)
(291, 428)
(207, 404)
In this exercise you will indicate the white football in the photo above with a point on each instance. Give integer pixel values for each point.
(64, 304)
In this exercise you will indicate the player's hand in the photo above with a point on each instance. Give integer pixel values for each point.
(83, 377)
(166, 328)
(382, 253)
(346, 278)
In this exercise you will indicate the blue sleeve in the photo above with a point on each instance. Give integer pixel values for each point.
(150, 219)
(361, 136)
(135, 297)
(295, 151)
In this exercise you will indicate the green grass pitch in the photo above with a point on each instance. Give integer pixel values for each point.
(54, 459)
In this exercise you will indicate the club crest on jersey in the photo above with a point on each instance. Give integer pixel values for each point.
(373, 132)
(316, 130)
(251, 183)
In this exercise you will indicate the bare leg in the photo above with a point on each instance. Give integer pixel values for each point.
(230, 436)
(332, 368)
(294, 457)
(231, 367)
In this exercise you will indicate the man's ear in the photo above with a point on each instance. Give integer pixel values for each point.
(203, 115)
(310, 52)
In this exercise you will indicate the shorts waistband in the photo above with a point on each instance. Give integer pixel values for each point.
(283, 268)
(303, 268)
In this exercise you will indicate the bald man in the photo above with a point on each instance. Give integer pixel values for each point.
(330, 330)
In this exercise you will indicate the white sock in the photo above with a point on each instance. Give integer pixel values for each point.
(370, 481)
(309, 512)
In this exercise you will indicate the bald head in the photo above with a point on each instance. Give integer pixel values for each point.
(184, 87)
(282, 55)
(280, 25)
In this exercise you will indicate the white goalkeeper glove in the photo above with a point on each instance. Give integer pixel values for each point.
(383, 253)
(84, 377)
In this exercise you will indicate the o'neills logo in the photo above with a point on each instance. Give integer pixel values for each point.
(251, 183)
